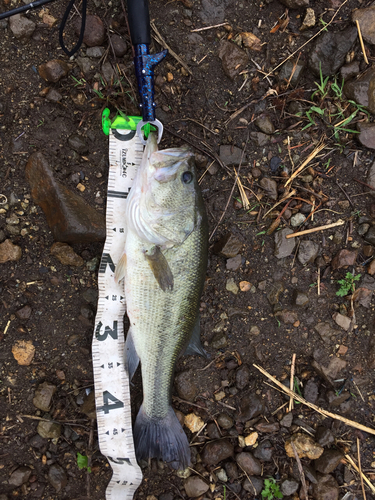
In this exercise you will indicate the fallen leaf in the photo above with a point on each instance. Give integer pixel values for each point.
(251, 41)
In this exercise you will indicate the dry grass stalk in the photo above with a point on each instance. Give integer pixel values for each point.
(318, 280)
(300, 470)
(205, 172)
(361, 42)
(291, 384)
(325, 413)
(311, 156)
(244, 198)
(315, 229)
(352, 463)
(164, 44)
(209, 27)
(292, 193)
(360, 468)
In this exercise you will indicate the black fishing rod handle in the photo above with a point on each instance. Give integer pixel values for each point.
(139, 21)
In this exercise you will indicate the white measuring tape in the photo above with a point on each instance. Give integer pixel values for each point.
(112, 394)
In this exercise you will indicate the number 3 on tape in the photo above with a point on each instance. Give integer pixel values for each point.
(112, 395)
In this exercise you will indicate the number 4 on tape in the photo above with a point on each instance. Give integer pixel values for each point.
(112, 395)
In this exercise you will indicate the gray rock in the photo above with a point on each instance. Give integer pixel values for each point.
(186, 386)
(230, 155)
(233, 59)
(166, 496)
(242, 377)
(363, 228)
(366, 19)
(259, 139)
(219, 340)
(270, 187)
(300, 299)
(248, 463)
(38, 442)
(225, 421)
(20, 476)
(253, 485)
(57, 477)
(349, 70)
(195, 486)
(216, 451)
(311, 391)
(264, 450)
(330, 372)
(86, 65)
(334, 399)
(213, 431)
(108, 72)
(232, 286)
(326, 332)
(343, 321)
(234, 263)
(49, 430)
(361, 90)
(250, 407)
(265, 125)
(286, 71)
(295, 4)
(76, 142)
(297, 219)
(228, 246)
(326, 488)
(21, 27)
(367, 134)
(330, 49)
(370, 236)
(324, 436)
(95, 52)
(43, 396)
(289, 487)
(308, 251)
(53, 96)
(283, 246)
(212, 11)
(119, 45)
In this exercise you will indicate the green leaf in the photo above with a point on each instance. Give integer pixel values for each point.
(317, 110)
(82, 461)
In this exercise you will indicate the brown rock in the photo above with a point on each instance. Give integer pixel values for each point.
(94, 30)
(366, 19)
(228, 246)
(24, 313)
(344, 258)
(343, 321)
(326, 488)
(23, 352)
(9, 252)
(270, 187)
(371, 267)
(330, 372)
(267, 427)
(66, 254)
(53, 71)
(328, 461)
(21, 27)
(216, 451)
(249, 464)
(195, 486)
(286, 317)
(305, 446)
(251, 41)
(43, 396)
(69, 217)
(233, 59)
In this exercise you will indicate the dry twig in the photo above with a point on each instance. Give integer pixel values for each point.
(312, 155)
(351, 461)
(315, 229)
(164, 44)
(361, 41)
(325, 413)
(300, 470)
(291, 384)
(359, 465)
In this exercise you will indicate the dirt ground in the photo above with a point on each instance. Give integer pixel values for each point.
(238, 329)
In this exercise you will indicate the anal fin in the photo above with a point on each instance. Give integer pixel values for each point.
(130, 355)
(195, 345)
(120, 268)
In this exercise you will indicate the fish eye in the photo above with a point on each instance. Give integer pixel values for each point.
(187, 177)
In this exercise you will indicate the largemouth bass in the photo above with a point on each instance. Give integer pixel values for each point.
(164, 266)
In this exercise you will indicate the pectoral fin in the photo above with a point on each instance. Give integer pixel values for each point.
(195, 345)
(120, 268)
(160, 268)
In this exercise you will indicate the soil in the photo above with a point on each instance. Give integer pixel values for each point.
(195, 109)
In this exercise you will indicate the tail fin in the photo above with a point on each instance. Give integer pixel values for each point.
(161, 438)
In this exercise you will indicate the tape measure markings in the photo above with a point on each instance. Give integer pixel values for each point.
(112, 395)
